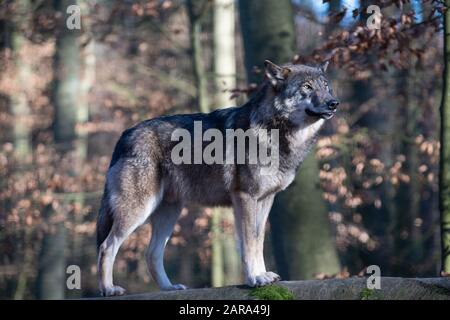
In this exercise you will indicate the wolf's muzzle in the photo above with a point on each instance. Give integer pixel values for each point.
(332, 104)
(322, 114)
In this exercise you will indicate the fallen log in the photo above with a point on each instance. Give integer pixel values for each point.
(354, 288)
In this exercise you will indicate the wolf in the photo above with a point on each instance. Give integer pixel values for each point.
(143, 182)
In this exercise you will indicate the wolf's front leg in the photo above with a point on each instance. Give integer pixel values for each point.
(263, 209)
(249, 231)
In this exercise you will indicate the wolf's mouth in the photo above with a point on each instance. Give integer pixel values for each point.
(324, 115)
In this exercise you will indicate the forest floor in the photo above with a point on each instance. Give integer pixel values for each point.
(334, 289)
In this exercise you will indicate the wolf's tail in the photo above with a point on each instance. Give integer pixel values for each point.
(105, 220)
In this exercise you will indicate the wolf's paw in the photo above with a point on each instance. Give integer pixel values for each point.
(272, 275)
(262, 279)
(113, 291)
(175, 287)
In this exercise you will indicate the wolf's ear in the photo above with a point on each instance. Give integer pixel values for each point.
(324, 66)
(276, 74)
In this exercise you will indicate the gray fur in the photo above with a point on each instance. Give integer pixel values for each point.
(143, 181)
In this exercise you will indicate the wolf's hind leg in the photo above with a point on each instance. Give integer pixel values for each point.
(125, 222)
(130, 205)
(106, 256)
(163, 220)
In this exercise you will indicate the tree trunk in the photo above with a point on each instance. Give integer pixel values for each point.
(20, 110)
(87, 79)
(444, 179)
(217, 258)
(19, 101)
(302, 241)
(196, 11)
(50, 282)
(407, 199)
(268, 32)
(66, 86)
(225, 264)
(66, 93)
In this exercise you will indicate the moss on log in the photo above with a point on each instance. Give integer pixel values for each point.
(333, 289)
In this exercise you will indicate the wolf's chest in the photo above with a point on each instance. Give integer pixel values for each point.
(286, 179)
(276, 182)
(299, 145)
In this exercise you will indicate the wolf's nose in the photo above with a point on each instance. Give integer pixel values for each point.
(332, 104)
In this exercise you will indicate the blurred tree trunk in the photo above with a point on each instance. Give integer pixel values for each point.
(334, 8)
(19, 101)
(302, 240)
(407, 200)
(196, 11)
(87, 79)
(444, 179)
(88, 63)
(301, 237)
(50, 282)
(217, 257)
(186, 259)
(224, 51)
(408, 241)
(268, 32)
(66, 86)
(379, 216)
(429, 195)
(20, 110)
(225, 264)
(66, 94)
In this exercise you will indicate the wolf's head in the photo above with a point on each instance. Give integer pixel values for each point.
(301, 92)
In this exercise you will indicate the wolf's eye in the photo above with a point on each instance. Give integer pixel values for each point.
(307, 86)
